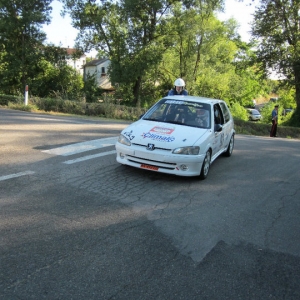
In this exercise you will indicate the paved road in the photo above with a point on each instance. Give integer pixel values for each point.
(76, 225)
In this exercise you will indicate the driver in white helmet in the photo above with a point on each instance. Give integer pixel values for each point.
(178, 89)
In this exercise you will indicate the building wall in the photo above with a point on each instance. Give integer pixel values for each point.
(90, 70)
(100, 68)
(77, 64)
(100, 71)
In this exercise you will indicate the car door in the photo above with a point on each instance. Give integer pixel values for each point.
(218, 143)
(227, 125)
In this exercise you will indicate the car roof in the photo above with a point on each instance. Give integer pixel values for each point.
(195, 99)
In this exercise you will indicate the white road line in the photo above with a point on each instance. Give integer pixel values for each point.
(82, 147)
(16, 175)
(72, 161)
(60, 120)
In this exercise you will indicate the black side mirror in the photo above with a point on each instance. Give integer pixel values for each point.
(218, 127)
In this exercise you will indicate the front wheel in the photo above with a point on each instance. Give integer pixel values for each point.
(230, 147)
(205, 165)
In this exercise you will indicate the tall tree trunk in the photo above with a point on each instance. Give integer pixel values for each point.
(197, 59)
(297, 83)
(136, 92)
(296, 116)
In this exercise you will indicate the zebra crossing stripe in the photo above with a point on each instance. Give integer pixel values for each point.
(16, 175)
(82, 147)
(72, 161)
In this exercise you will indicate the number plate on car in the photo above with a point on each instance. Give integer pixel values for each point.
(149, 167)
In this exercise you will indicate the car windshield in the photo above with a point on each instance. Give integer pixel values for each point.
(187, 113)
(255, 112)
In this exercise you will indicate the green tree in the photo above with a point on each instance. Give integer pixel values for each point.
(150, 43)
(129, 31)
(21, 41)
(57, 78)
(287, 97)
(91, 91)
(209, 55)
(246, 83)
(188, 32)
(277, 28)
(63, 82)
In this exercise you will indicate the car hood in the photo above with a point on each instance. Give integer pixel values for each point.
(164, 135)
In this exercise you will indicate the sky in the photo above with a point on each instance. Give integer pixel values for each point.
(242, 13)
(61, 32)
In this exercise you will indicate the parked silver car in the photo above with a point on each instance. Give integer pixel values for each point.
(287, 111)
(254, 115)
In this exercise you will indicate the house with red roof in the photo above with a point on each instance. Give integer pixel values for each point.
(75, 59)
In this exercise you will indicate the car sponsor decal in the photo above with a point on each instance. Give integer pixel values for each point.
(175, 102)
(129, 135)
(162, 130)
(183, 102)
(158, 137)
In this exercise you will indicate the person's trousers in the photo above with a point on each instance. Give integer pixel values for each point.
(273, 131)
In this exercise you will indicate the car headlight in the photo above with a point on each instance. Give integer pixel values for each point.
(124, 140)
(191, 150)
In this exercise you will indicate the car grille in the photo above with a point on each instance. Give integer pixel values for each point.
(145, 146)
(150, 162)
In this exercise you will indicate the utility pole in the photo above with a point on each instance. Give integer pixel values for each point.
(26, 95)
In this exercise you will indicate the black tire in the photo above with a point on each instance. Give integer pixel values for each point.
(205, 166)
(229, 150)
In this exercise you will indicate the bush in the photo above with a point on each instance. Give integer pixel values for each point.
(21, 106)
(94, 109)
(117, 111)
(114, 111)
(5, 99)
(48, 104)
(238, 111)
(59, 105)
(294, 119)
(103, 109)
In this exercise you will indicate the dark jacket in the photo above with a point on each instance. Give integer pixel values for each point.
(173, 92)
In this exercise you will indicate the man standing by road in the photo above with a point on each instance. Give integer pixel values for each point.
(273, 131)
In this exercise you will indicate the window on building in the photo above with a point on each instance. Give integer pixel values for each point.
(103, 74)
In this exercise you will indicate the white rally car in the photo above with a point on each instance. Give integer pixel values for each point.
(180, 135)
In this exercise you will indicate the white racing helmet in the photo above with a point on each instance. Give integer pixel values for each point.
(179, 82)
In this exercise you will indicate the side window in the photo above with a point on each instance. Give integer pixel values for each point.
(225, 112)
(218, 115)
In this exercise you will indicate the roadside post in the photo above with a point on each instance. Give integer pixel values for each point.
(26, 95)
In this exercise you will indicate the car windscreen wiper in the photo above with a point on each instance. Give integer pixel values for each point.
(174, 122)
(152, 119)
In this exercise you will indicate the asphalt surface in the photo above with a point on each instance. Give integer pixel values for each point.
(93, 229)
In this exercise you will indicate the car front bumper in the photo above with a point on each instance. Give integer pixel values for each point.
(160, 161)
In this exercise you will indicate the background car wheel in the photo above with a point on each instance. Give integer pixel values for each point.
(205, 166)
(230, 147)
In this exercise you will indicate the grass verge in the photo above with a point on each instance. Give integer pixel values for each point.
(260, 129)
(130, 114)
